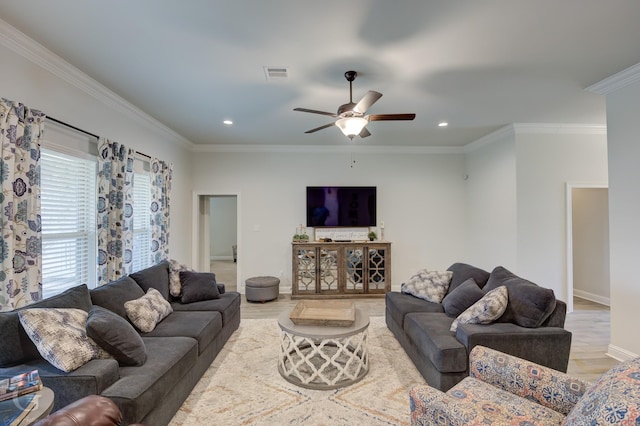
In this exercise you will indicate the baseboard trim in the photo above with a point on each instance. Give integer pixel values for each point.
(212, 258)
(620, 354)
(592, 297)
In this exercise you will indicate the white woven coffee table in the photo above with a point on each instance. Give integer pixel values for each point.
(323, 357)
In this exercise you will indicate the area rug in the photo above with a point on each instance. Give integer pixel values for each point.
(243, 385)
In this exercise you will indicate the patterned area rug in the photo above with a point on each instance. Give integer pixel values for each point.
(243, 386)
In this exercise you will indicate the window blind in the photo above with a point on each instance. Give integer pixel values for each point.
(68, 202)
(141, 221)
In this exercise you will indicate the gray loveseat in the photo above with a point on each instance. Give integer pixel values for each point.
(532, 327)
(178, 350)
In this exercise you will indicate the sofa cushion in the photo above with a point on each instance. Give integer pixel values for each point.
(463, 271)
(60, 335)
(114, 295)
(200, 325)
(529, 304)
(116, 335)
(197, 286)
(612, 399)
(460, 299)
(428, 285)
(486, 310)
(147, 311)
(228, 305)
(175, 285)
(156, 276)
(430, 332)
(16, 346)
(140, 389)
(398, 305)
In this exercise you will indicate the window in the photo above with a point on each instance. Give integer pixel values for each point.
(141, 221)
(68, 197)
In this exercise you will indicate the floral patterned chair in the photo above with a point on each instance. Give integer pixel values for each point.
(505, 390)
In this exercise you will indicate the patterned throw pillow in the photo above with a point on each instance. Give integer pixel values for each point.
(175, 286)
(428, 285)
(147, 311)
(486, 310)
(60, 336)
(612, 399)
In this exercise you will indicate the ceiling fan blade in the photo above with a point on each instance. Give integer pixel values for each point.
(320, 128)
(364, 133)
(390, 117)
(367, 100)
(313, 111)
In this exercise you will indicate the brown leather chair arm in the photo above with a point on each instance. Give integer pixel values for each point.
(92, 410)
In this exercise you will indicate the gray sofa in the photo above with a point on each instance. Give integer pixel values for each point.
(178, 350)
(532, 327)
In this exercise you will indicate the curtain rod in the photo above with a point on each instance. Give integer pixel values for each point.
(87, 133)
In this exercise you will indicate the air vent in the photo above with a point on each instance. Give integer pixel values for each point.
(276, 73)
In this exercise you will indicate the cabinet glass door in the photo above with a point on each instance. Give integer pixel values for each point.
(377, 271)
(306, 270)
(354, 280)
(328, 271)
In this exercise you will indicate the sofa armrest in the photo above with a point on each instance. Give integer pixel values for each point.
(550, 388)
(430, 406)
(548, 346)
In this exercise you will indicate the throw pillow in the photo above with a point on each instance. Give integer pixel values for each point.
(60, 336)
(114, 295)
(484, 311)
(197, 286)
(175, 286)
(529, 304)
(428, 285)
(461, 298)
(612, 399)
(147, 311)
(117, 336)
(462, 272)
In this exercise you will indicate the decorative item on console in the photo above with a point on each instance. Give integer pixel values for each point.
(301, 235)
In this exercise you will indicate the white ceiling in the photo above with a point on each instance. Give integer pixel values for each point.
(479, 65)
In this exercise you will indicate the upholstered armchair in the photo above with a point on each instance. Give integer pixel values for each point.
(505, 390)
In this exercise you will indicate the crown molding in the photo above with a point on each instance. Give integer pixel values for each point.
(617, 81)
(560, 128)
(502, 133)
(46, 59)
(320, 149)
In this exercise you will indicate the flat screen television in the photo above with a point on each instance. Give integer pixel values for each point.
(341, 206)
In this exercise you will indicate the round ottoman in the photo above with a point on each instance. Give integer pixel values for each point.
(262, 289)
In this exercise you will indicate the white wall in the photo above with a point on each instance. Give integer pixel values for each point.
(623, 129)
(546, 161)
(23, 81)
(590, 246)
(421, 198)
(491, 226)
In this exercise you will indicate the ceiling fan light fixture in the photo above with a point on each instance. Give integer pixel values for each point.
(351, 126)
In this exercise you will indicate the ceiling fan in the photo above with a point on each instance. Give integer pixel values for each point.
(351, 118)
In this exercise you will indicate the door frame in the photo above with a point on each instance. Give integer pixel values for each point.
(196, 236)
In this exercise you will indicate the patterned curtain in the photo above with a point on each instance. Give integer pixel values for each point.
(115, 210)
(21, 240)
(160, 193)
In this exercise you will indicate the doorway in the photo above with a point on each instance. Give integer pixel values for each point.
(588, 243)
(217, 237)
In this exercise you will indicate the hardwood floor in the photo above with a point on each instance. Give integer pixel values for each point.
(589, 323)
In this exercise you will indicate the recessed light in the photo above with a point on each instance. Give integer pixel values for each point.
(228, 122)
(443, 124)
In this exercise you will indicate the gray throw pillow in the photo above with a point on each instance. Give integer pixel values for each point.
(114, 295)
(146, 312)
(461, 298)
(61, 337)
(197, 286)
(156, 276)
(462, 272)
(529, 304)
(117, 336)
(484, 311)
